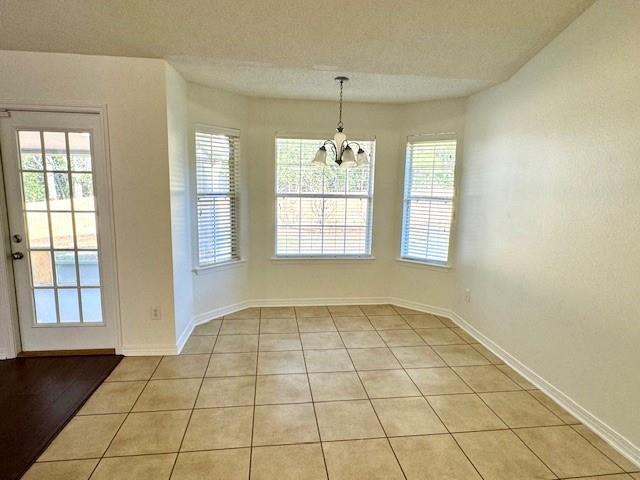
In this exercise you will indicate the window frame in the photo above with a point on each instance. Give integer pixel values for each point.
(430, 137)
(370, 196)
(200, 268)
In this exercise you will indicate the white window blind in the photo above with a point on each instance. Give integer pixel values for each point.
(321, 211)
(429, 189)
(217, 155)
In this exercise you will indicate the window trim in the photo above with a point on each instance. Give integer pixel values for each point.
(204, 268)
(431, 137)
(315, 257)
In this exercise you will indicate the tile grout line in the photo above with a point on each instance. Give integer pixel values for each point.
(595, 446)
(255, 393)
(377, 416)
(433, 409)
(497, 416)
(402, 367)
(126, 417)
(195, 400)
(313, 404)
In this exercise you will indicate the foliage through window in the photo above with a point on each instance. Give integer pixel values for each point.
(217, 154)
(428, 200)
(321, 211)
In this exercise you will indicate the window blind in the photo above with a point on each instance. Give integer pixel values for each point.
(217, 157)
(321, 211)
(429, 189)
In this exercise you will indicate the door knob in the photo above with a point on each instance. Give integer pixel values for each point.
(17, 255)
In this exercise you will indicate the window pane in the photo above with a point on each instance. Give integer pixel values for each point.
(55, 150)
(30, 150)
(83, 191)
(335, 179)
(59, 195)
(89, 269)
(216, 179)
(45, 303)
(35, 195)
(86, 235)
(311, 211)
(41, 271)
(288, 211)
(329, 200)
(65, 268)
(80, 151)
(38, 229)
(91, 305)
(288, 179)
(62, 230)
(429, 191)
(68, 305)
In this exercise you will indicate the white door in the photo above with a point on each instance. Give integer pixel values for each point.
(58, 204)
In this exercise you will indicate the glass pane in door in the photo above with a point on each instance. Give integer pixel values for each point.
(62, 239)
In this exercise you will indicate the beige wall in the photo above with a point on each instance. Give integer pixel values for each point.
(181, 205)
(292, 279)
(262, 278)
(133, 91)
(549, 233)
(425, 285)
(223, 286)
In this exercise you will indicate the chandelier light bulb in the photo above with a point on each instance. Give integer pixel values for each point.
(321, 156)
(362, 158)
(348, 157)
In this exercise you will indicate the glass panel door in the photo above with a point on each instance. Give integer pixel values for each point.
(60, 208)
(56, 180)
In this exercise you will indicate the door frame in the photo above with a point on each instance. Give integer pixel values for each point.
(10, 344)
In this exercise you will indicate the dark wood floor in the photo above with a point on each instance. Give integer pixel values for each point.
(38, 396)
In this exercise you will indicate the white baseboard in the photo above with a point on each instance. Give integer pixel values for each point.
(620, 443)
(147, 350)
(219, 312)
(184, 336)
(311, 302)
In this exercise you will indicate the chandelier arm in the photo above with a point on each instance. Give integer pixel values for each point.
(332, 144)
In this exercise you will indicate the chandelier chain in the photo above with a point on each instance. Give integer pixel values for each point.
(340, 108)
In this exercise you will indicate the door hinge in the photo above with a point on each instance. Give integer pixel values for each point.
(5, 113)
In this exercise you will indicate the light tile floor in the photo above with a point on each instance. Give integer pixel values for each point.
(339, 392)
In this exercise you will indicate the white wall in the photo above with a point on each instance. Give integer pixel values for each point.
(133, 90)
(222, 286)
(261, 278)
(181, 206)
(274, 280)
(425, 285)
(549, 236)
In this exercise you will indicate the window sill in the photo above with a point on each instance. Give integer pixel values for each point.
(431, 266)
(218, 266)
(324, 259)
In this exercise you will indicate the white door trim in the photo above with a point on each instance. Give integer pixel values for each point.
(10, 343)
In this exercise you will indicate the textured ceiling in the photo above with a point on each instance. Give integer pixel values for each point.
(395, 51)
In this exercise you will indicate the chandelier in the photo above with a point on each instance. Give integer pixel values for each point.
(342, 149)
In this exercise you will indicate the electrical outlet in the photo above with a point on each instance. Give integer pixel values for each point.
(156, 313)
(467, 296)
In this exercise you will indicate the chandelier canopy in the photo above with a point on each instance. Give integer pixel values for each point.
(342, 149)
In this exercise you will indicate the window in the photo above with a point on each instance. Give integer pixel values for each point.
(321, 211)
(217, 153)
(428, 200)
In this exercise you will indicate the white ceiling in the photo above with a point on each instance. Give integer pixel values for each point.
(394, 51)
